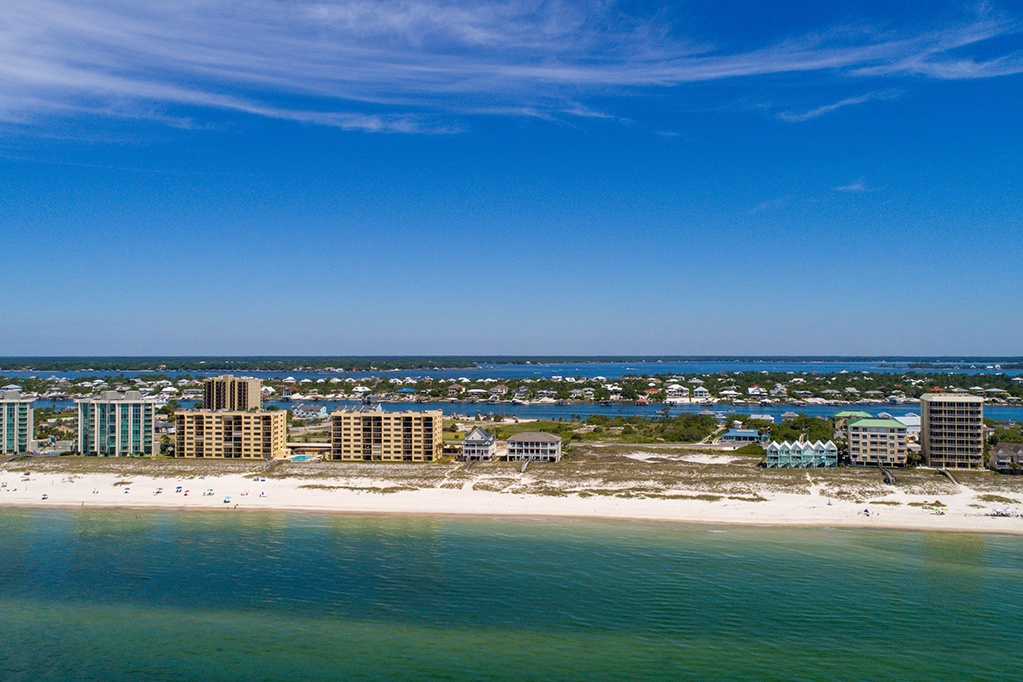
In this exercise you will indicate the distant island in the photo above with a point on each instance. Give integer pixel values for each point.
(212, 364)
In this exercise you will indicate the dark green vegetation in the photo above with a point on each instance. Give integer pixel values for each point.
(686, 428)
(229, 364)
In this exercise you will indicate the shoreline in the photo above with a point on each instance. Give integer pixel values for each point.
(524, 517)
(372, 498)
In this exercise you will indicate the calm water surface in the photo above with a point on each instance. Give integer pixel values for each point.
(125, 595)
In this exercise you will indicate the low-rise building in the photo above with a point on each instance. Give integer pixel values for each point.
(17, 422)
(309, 412)
(701, 392)
(877, 441)
(117, 425)
(480, 445)
(744, 436)
(801, 455)
(843, 417)
(676, 393)
(1007, 458)
(534, 446)
(231, 434)
(912, 423)
(370, 434)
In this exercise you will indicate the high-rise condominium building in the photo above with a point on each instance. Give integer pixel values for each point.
(17, 423)
(116, 425)
(370, 434)
(255, 434)
(232, 393)
(951, 430)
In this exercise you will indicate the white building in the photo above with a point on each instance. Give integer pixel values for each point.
(479, 445)
(912, 423)
(701, 392)
(309, 412)
(534, 445)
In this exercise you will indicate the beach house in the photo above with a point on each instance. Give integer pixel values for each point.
(744, 436)
(1007, 458)
(534, 446)
(480, 445)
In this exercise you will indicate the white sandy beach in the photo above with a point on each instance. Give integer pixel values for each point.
(347, 495)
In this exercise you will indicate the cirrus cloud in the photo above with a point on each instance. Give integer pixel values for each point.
(416, 65)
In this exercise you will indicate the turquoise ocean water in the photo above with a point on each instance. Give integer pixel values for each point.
(126, 595)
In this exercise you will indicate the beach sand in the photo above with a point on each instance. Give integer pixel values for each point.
(965, 509)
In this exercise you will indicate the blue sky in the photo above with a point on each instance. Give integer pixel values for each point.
(518, 177)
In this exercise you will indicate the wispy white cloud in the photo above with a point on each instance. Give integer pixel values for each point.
(771, 204)
(796, 117)
(412, 65)
(857, 186)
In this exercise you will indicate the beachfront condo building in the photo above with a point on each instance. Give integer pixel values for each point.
(232, 393)
(876, 442)
(17, 423)
(117, 425)
(951, 430)
(535, 446)
(230, 434)
(370, 434)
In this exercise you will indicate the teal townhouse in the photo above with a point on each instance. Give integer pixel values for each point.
(801, 455)
(17, 423)
(116, 425)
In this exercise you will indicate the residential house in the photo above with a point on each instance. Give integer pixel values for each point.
(534, 446)
(744, 436)
(1007, 458)
(309, 412)
(480, 445)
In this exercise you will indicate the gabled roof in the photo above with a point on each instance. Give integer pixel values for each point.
(479, 435)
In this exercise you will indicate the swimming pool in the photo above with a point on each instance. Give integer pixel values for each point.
(302, 458)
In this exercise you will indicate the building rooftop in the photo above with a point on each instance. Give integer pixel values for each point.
(844, 414)
(534, 437)
(950, 398)
(479, 435)
(878, 423)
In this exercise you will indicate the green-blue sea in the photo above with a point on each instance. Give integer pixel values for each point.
(128, 595)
